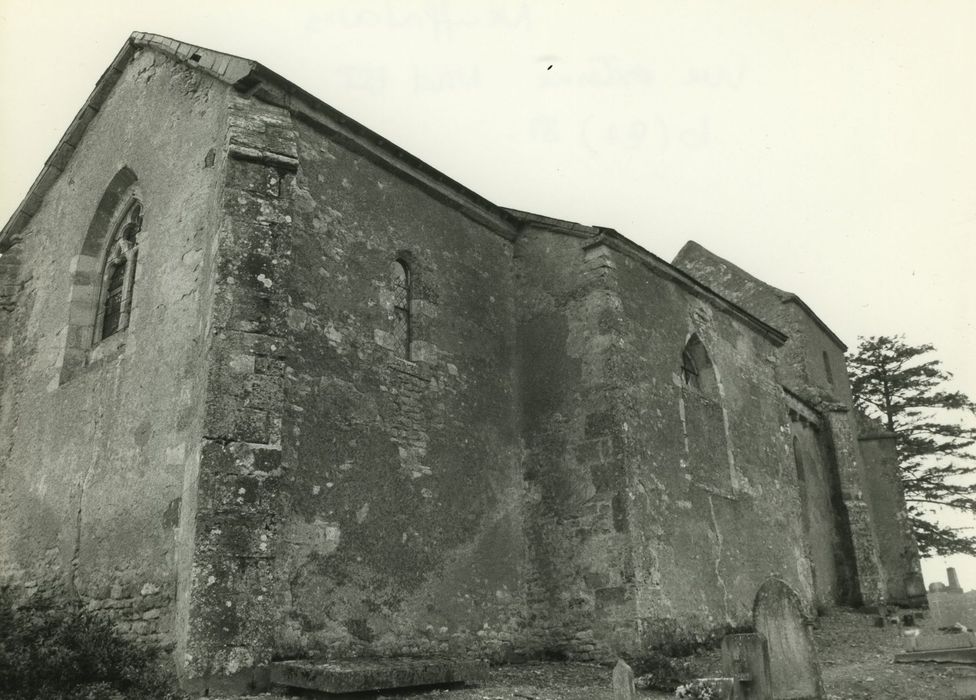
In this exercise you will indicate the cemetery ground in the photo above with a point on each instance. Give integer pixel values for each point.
(856, 660)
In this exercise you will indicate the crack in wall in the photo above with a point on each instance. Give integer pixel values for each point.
(13, 332)
(82, 487)
(718, 561)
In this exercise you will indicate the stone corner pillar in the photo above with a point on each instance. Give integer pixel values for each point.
(232, 591)
(843, 435)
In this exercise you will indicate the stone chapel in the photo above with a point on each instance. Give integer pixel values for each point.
(272, 386)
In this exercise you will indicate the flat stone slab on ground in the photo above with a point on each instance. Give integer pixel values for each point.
(357, 675)
(946, 656)
(928, 642)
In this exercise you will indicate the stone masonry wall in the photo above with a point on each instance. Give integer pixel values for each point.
(259, 467)
(712, 495)
(871, 577)
(92, 465)
(758, 298)
(824, 362)
(813, 367)
(896, 545)
(13, 313)
(824, 515)
(233, 597)
(582, 585)
(387, 518)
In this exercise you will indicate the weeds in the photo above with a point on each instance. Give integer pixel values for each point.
(54, 650)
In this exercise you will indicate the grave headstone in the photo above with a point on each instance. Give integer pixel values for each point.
(778, 615)
(953, 580)
(745, 658)
(623, 682)
(947, 609)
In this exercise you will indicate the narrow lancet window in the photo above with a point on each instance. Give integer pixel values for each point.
(118, 274)
(400, 274)
(829, 372)
(696, 368)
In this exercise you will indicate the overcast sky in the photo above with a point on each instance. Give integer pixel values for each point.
(827, 147)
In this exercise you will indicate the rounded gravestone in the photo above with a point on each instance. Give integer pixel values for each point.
(623, 682)
(778, 615)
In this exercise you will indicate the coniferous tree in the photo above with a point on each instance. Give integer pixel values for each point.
(902, 387)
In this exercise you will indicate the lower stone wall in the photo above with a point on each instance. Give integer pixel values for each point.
(143, 612)
(581, 604)
(140, 610)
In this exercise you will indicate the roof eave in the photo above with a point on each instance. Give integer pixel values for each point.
(250, 77)
(601, 235)
(56, 162)
(682, 278)
(784, 296)
(794, 299)
(272, 87)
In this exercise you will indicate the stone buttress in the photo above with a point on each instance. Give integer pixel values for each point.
(234, 592)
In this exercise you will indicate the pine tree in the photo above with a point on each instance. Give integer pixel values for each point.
(902, 387)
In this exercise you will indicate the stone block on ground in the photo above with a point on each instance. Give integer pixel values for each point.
(778, 615)
(745, 659)
(623, 682)
(359, 675)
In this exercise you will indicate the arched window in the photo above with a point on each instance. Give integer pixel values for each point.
(708, 456)
(400, 279)
(827, 370)
(697, 371)
(118, 274)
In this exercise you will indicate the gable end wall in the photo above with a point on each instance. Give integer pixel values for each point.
(93, 467)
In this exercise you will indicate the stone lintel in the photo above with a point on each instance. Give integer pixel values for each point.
(258, 155)
(801, 408)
